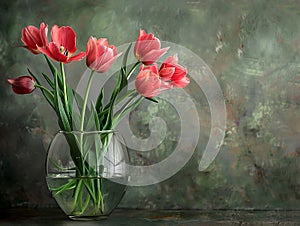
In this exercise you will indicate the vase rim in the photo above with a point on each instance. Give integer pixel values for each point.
(87, 132)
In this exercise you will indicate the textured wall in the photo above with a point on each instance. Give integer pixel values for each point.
(251, 46)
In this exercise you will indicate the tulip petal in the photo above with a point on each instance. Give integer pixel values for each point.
(181, 83)
(99, 55)
(29, 36)
(147, 48)
(44, 50)
(142, 33)
(152, 68)
(33, 37)
(148, 83)
(54, 52)
(172, 59)
(22, 84)
(64, 36)
(105, 67)
(166, 73)
(43, 34)
(104, 54)
(76, 57)
(153, 56)
(102, 41)
(91, 51)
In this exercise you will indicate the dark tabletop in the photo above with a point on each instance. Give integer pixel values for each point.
(52, 216)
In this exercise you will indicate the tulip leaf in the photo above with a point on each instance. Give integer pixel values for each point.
(128, 102)
(152, 99)
(49, 98)
(54, 72)
(99, 101)
(124, 81)
(102, 116)
(118, 117)
(97, 122)
(108, 122)
(110, 105)
(126, 56)
(46, 94)
(123, 70)
(60, 111)
(51, 66)
(36, 79)
(62, 116)
(48, 80)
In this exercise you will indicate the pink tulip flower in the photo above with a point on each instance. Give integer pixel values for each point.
(63, 45)
(32, 37)
(99, 55)
(147, 48)
(174, 73)
(148, 83)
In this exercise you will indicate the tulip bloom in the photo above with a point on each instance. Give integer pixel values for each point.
(147, 48)
(32, 37)
(63, 45)
(174, 73)
(151, 81)
(148, 82)
(99, 55)
(22, 85)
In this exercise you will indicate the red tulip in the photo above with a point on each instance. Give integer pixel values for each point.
(148, 82)
(147, 48)
(32, 37)
(174, 73)
(63, 45)
(99, 55)
(22, 85)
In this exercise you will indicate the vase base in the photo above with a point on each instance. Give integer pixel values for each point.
(88, 218)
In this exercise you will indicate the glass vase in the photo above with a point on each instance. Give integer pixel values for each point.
(84, 172)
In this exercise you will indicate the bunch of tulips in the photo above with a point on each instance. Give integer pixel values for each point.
(150, 81)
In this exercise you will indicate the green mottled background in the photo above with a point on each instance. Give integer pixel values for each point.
(251, 46)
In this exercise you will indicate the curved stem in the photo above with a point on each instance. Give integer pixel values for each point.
(85, 100)
(130, 93)
(126, 109)
(44, 88)
(83, 115)
(133, 69)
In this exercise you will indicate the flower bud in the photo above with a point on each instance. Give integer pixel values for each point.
(22, 85)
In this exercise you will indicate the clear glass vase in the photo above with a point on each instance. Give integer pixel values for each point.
(84, 172)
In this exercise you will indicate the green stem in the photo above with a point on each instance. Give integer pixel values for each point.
(100, 200)
(83, 114)
(64, 84)
(133, 69)
(127, 103)
(126, 109)
(85, 100)
(77, 194)
(44, 88)
(118, 101)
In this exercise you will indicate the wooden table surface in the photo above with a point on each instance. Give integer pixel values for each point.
(119, 217)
